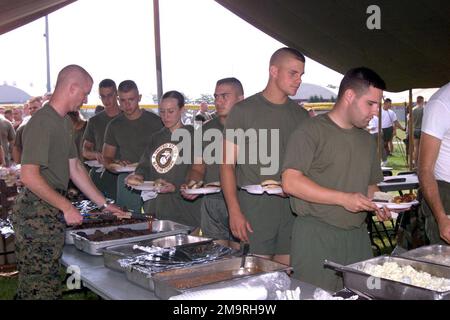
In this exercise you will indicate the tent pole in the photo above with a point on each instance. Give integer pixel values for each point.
(157, 48)
(380, 133)
(47, 50)
(410, 133)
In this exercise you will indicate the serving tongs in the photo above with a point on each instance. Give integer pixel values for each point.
(242, 270)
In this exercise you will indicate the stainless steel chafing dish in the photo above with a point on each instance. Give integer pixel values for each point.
(380, 288)
(177, 281)
(438, 254)
(160, 228)
(112, 254)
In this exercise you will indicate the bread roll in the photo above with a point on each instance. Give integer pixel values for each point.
(213, 184)
(271, 183)
(194, 184)
(134, 181)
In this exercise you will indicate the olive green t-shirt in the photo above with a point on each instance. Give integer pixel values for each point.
(161, 158)
(7, 134)
(18, 141)
(252, 115)
(417, 118)
(209, 151)
(78, 140)
(95, 130)
(48, 142)
(334, 158)
(131, 137)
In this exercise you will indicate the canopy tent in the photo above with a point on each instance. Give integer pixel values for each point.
(410, 47)
(16, 13)
(410, 50)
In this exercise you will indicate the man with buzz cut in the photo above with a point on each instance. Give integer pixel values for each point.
(331, 171)
(126, 138)
(94, 136)
(263, 220)
(214, 213)
(41, 210)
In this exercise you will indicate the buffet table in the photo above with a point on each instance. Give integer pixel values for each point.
(113, 285)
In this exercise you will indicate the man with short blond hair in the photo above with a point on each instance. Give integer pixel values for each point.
(214, 213)
(41, 210)
(126, 138)
(263, 220)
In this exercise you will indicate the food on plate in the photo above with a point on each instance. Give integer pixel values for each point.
(160, 183)
(115, 166)
(271, 184)
(379, 196)
(135, 180)
(409, 197)
(213, 184)
(118, 166)
(194, 184)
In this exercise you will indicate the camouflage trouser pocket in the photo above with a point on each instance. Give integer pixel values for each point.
(33, 218)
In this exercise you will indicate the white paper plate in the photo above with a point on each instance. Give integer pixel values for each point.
(126, 169)
(394, 215)
(258, 189)
(146, 186)
(206, 190)
(396, 206)
(93, 163)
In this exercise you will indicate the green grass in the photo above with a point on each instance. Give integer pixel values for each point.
(8, 287)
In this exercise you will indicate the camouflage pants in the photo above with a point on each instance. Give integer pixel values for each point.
(39, 230)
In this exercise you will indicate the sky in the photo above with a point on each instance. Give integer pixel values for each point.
(201, 42)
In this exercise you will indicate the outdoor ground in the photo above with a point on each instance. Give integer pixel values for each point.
(8, 284)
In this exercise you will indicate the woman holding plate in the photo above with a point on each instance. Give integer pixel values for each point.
(166, 162)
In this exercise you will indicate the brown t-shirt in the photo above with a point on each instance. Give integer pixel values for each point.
(334, 158)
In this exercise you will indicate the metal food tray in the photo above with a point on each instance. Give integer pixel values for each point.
(380, 288)
(69, 239)
(165, 283)
(111, 255)
(160, 228)
(420, 254)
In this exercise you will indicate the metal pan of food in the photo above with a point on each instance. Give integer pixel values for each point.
(396, 278)
(112, 254)
(84, 239)
(141, 269)
(177, 281)
(439, 254)
(96, 221)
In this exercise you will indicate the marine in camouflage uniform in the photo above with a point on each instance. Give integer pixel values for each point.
(39, 229)
(49, 159)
